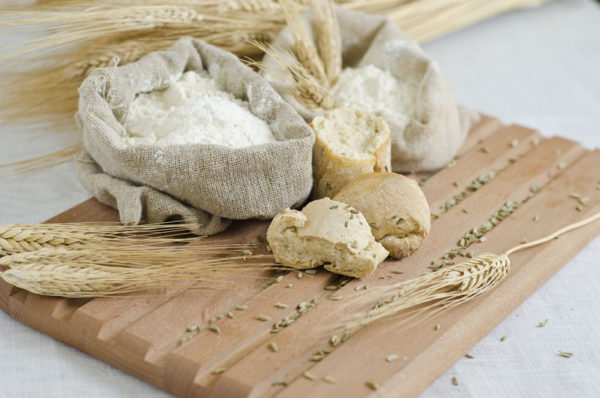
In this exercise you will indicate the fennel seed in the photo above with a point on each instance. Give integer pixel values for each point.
(289, 285)
(392, 358)
(278, 383)
(281, 305)
(565, 354)
(329, 379)
(300, 275)
(372, 385)
(218, 371)
(309, 375)
(230, 315)
(502, 338)
(536, 218)
(215, 329)
(437, 327)
(331, 287)
(467, 355)
(310, 271)
(263, 317)
(514, 143)
(334, 298)
(279, 278)
(241, 307)
(542, 324)
(274, 347)
(191, 329)
(454, 381)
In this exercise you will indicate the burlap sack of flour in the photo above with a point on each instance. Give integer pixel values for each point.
(428, 140)
(203, 184)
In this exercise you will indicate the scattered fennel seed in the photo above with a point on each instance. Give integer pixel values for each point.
(309, 375)
(536, 218)
(542, 324)
(396, 271)
(535, 188)
(215, 329)
(268, 247)
(454, 381)
(230, 315)
(333, 207)
(311, 271)
(274, 347)
(218, 371)
(300, 275)
(331, 287)
(335, 340)
(392, 358)
(455, 184)
(485, 150)
(184, 340)
(437, 327)
(535, 142)
(220, 316)
(465, 211)
(502, 338)
(279, 278)
(482, 239)
(329, 379)
(335, 298)
(191, 329)
(281, 305)
(514, 143)
(561, 165)
(263, 317)
(372, 385)
(557, 152)
(289, 285)
(247, 252)
(565, 354)
(579, 208)
(278, 383)
(241, 307)
(467, 355)
(345, 224)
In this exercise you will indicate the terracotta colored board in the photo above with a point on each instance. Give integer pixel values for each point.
(142, 334)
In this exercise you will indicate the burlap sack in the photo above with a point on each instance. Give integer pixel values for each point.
(204, 184)
(432, 138)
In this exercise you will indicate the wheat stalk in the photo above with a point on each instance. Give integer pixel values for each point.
(438, 291)
(100, 272)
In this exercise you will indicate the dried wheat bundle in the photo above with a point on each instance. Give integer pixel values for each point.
(91, 34)
(18, 238)
(98, 272)
(434, 292)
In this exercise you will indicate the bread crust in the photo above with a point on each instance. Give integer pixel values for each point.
(332, 170)
(394, 206)
(326, 233)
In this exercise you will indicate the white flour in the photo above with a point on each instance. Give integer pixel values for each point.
(194, 110)
(377, 91)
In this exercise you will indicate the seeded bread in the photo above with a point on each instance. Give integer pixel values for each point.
(394, 206)
(348, 143)
(327, 233)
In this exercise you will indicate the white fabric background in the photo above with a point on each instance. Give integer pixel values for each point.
(537, 67)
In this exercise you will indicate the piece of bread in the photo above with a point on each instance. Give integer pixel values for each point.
(348, 143)
(394, 206)
(327, 233)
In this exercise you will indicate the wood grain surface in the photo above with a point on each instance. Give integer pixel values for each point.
(141, 334)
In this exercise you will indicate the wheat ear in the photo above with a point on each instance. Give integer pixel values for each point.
(18, 238)
(306, 89)
(304, 47)
(329, 40)
(98, 273)
(434, 292)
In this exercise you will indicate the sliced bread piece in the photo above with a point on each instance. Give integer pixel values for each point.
(394, 206)
(327, 233)
(348, 143)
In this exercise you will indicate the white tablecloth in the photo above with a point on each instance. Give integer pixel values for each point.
(537, 67)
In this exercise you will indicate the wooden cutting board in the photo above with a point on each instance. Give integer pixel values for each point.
(142, 334)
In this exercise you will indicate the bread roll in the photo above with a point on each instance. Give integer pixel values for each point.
(395, 208)
(348, 143)
(327, 233)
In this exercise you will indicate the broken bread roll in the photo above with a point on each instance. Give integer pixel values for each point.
(394, 206)
(329, 233)
(348, 143)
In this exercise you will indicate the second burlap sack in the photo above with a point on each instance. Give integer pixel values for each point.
(432, 137)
